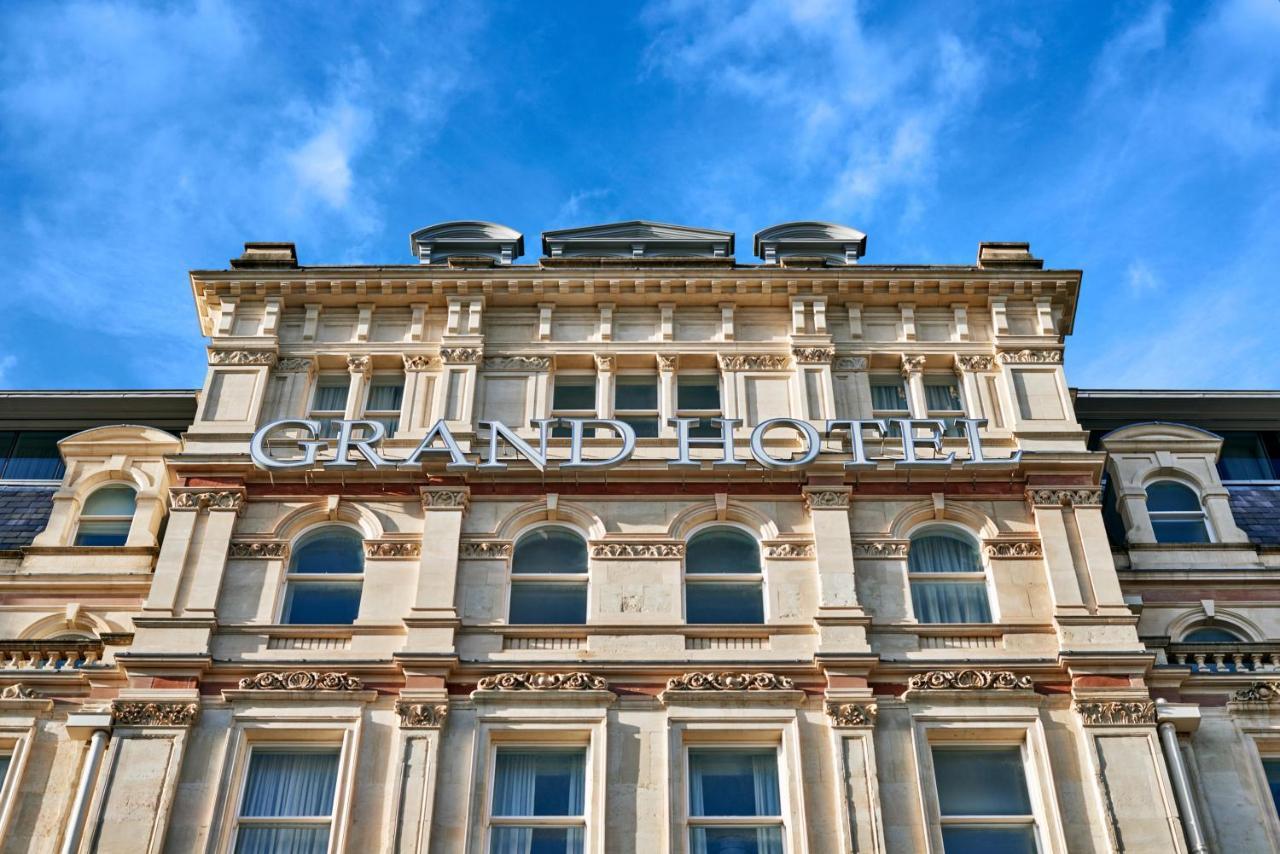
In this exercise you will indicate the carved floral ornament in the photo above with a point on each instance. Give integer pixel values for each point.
(392, 549)
(623, 551)
(422, 715)
(127, 713)
(761, 362)
(527, 681)
(789, 551)
(294, 365)
(881, 549)
(461, 355)
(206, 500)
(850, 363)
(484, 550)
(730, 681)
(300, 680)
(445, 499)
(253, 358)
(666, 363)
(813, 355)
(1058, 497)
(826, 499)
(969, 680)
(360, 364)
(1258, 692)
(975, 363)
(851, 714)
(259, 551)
(1116, 712)
(1031, 357)
(517, 363)
(912, 364)
(420, 362)
(1000, 549)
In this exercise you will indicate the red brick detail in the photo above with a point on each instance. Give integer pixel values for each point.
(163, 682)
(1102, 682)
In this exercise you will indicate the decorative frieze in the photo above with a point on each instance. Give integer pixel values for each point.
(850, 363)
(912, 364)
(517, 363)
(445, 499)
(294, 365)
(484, 550)
(360, 365)
(461, 355)
(757, 362)
(624, 551)
(826, 499)
(1058, 497)
(18, 691)
(300, 680)
(422, 715)
(421, 362)
(1258, 692)
(1116, 712)
(730, 681)
(206, 500)
(576, 681)
(126, 713)
(881, 549)
(1005, 549)
(392, 549)
(851, 714)
(975, 363)
(969, 680)
(248, 358)
(813, 355)
(789, 551)
(1031, 357)
(259, 551)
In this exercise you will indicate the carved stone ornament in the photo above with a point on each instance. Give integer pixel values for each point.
(622, 551)
(445, 499)
(1258, 692)
(850, 363)
(360, 364)
(1060, 497)
(826, 499)
(881, 549)
(300, 680)
(1031, 357)
(666, 363)
(293, 365)
(212, 500)
(422, 715)
(764, 362)
(975, 363)
(813, 355)
(1019, 549)
(789, 551)
(420, 362)
(969, 680)
(461, 355)
(254, 358)
(729, 681)
(126, 713)
(484, 550)
(912, 364)
(389, 549)
(605, 362)
(576, 681)
(18, 691)
(851, 714)
(517, 363)
(259, 551)
(1117, 712)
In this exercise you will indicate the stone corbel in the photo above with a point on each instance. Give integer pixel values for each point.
(422, 714)
(851, 715)
(1057, 496)
(249, 358)
(827, 497)
(152, 713)
(420, 362)
(461, 355)
(199, 499)
(392, 549)
(445, 498)
(1116, 712)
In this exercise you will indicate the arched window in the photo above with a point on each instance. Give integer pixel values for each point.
(106, 516)
(948, 583)
(724, 582)
(1176, 513)
(549, 578)
(1211, 634)
(326, 574)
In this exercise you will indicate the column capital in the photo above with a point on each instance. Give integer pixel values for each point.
(827, 497)
(362, 365)
(445, 498)
(198, 499)
(912, 364)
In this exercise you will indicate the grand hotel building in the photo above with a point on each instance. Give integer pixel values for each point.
(1009, 617)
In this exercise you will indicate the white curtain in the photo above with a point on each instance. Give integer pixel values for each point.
(709, 767)
(288, 785)
(888, 397)
(515, 790)
(385, 396)
(942, 397)
(941, 553)
(950, 602)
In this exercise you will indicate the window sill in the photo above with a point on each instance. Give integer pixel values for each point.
(341, 630)
(148, 551)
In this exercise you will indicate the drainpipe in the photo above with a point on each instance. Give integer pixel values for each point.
(1167, 714)
(98, 729)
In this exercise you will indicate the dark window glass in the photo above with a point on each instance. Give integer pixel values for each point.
(1272, 767)
(698, 393)
(322, 603)
(720, 550)
(331, 550)
(385, 394)
(733, 783)
(33, 456)
(574, 392)
(1168, 497)
(705, 429)
(989, 840)
(550, 549)
(1174, 531)
(1244, 457)
(646, 428)
(980, 781)
(1207, 635)
(1111, 518)
(102, 534)
(720, 602)
(888, 395)
(636, 392)
(534, 603)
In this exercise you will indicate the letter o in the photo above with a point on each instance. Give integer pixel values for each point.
(803, 427)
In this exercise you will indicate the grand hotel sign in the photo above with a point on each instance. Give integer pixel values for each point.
(439, 443)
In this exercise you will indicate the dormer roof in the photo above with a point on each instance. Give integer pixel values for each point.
(834, 244)
(435, 244)
(637, 239)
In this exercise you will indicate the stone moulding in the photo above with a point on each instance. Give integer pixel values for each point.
(127, 713)
(251, 358)
(1031, 357)
(420, 362)
(850, 363)
(762, 362)
(484, 550)
(826, 499)
(421, 715)
(813, 355)
(881, 549)
(360, 364)
(259, 551)
(975, 363)
(18, 691)
(300, 680)
(969, 680)
(517, 363)
(851, 714)
(726, 680)
(392, 549)
(789, 551)
(445, 499)
(293, 365)
(539, 681)
(461, 355)
(624, 551)
(1060, 496)
(1258, 692)
(1116, 712)
(206, 500)
(912, 364)
(1011, 549)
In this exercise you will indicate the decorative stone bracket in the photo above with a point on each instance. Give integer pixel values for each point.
(278, 550)
(881, 549)
(1012, 549)
(300, 680)
(760, 362)
(445, 499)
(392, 549)
(205, 499)
(826, 499)
(1056, 496)
(789, 551)
(483, 550)
(421, 715)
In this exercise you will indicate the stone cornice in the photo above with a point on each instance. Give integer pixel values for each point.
(276, 550)
(1057, 496)
(415, 715)
(445, 498)
(182, 498)
(1031, 357)
(632, 551)
(483, 550)
(969, 680)
(300, 680)
(726, 680)
(851, 714)
(151, 713)
(246, 358)
(539, 681)
(1012, 549)
(1116, 712)
(391, 549)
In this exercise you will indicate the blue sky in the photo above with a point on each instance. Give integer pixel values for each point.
(1140, 142)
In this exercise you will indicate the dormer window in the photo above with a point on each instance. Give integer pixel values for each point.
(1176, 513)
(107, 516)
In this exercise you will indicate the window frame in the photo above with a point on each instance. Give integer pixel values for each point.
(327, 416)
(947, 416)
(723, 577)
(383, 416)
(127, 521)
(562, 578)
(16, 739)
(954, 577)
(1154, 516)
(491, 821)
(289, 578)
(562, 432)
(691, 821)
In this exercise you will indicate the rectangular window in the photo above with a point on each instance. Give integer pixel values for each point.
(329, 403)
(537, 803)
(983, 802)
(31, 455)
(1272, 769)
(889, 400)
(1244, 457)
(288, 801)
(386, 393)
(942, 397)
(635, 401)
(573, 396)
(698, 396)
(735, 803)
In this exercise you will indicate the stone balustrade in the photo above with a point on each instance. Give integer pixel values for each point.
(1225, 657)
(49, 655)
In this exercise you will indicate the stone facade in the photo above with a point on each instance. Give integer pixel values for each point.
(181, 656)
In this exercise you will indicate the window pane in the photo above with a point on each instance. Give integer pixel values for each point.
(1272, 767)
(950, 601)
(274, 840)
(331, 393)
(722, 550)
(5, 759)
(550, 549)
(636, 392)
(102, 533)
(386, 393)
(943, 552)
(329, 550)
(705, 429)
(293, 784)
(35, 457)
(989, 840)
(1244, 458)
(1174, 531)
(733, 783)
(986, 781)
(1166, 496)
(110, 501)
(942, 395)
(1210, 636)
(888, 396)
(574, 393)
(325, 603)
(698, 393)
(552, 603)
(737, 840)
(724, 603)
(536, 840)
(646, 428)
(538, 783)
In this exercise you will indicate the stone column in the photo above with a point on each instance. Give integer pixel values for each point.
(360, 368)
(464, 361)
(857, 385)
(840, 619)
(434, 614)
(913, 373)
(604, 385)
(667, 402)
(422, 715)
(852, 715)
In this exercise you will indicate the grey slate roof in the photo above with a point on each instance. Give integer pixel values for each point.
(24, 511)
(1257, 512)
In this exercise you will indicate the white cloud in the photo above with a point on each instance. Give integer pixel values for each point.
(1141, 279)
(7, 363)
